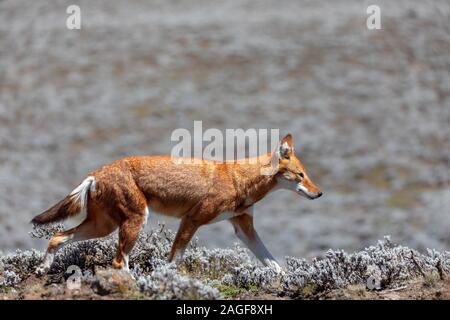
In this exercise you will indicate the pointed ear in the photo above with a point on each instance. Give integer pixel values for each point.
(286, 148)
(287, 139)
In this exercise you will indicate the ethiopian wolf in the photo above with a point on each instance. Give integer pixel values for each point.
(120, 195)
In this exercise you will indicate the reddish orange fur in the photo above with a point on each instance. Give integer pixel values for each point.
(195, 193)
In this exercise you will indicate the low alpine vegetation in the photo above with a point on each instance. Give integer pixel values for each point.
(226, 273)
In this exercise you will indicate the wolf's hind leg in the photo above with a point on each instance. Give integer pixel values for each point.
(128, 234)
(56, 242)
(94, 226)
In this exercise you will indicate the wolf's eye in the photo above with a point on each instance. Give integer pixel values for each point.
(301, 175)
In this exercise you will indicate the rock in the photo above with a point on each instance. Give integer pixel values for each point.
(109, 281)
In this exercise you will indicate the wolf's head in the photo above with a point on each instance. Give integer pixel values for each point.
(290, 172)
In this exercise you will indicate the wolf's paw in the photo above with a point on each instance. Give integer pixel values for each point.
(275, 266)
(42, 270)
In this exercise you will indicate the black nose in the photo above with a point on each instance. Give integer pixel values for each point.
(319, 194)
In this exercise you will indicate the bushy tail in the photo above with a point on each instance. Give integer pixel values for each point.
(71, 205)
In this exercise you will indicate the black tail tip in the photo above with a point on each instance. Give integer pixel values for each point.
(36, 221)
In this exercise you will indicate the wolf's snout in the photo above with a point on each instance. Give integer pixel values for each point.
(315, 196)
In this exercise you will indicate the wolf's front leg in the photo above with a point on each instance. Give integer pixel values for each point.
(185, 233)
(243, 227)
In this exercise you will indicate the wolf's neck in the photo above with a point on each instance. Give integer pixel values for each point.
(253, 180)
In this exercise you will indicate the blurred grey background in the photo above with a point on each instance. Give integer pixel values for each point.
(369, 109)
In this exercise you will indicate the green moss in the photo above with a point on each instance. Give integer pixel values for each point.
(136, 295)
(307, 291)
(430, 280)
(216, 269)
(5, 290)
(357, 290)
(253, 288)
(229, 291)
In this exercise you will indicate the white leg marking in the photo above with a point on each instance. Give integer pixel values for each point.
(179, 255)
(259, 249)
(126, 266)
(146, 214)
(48, 260)
(50, 255)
